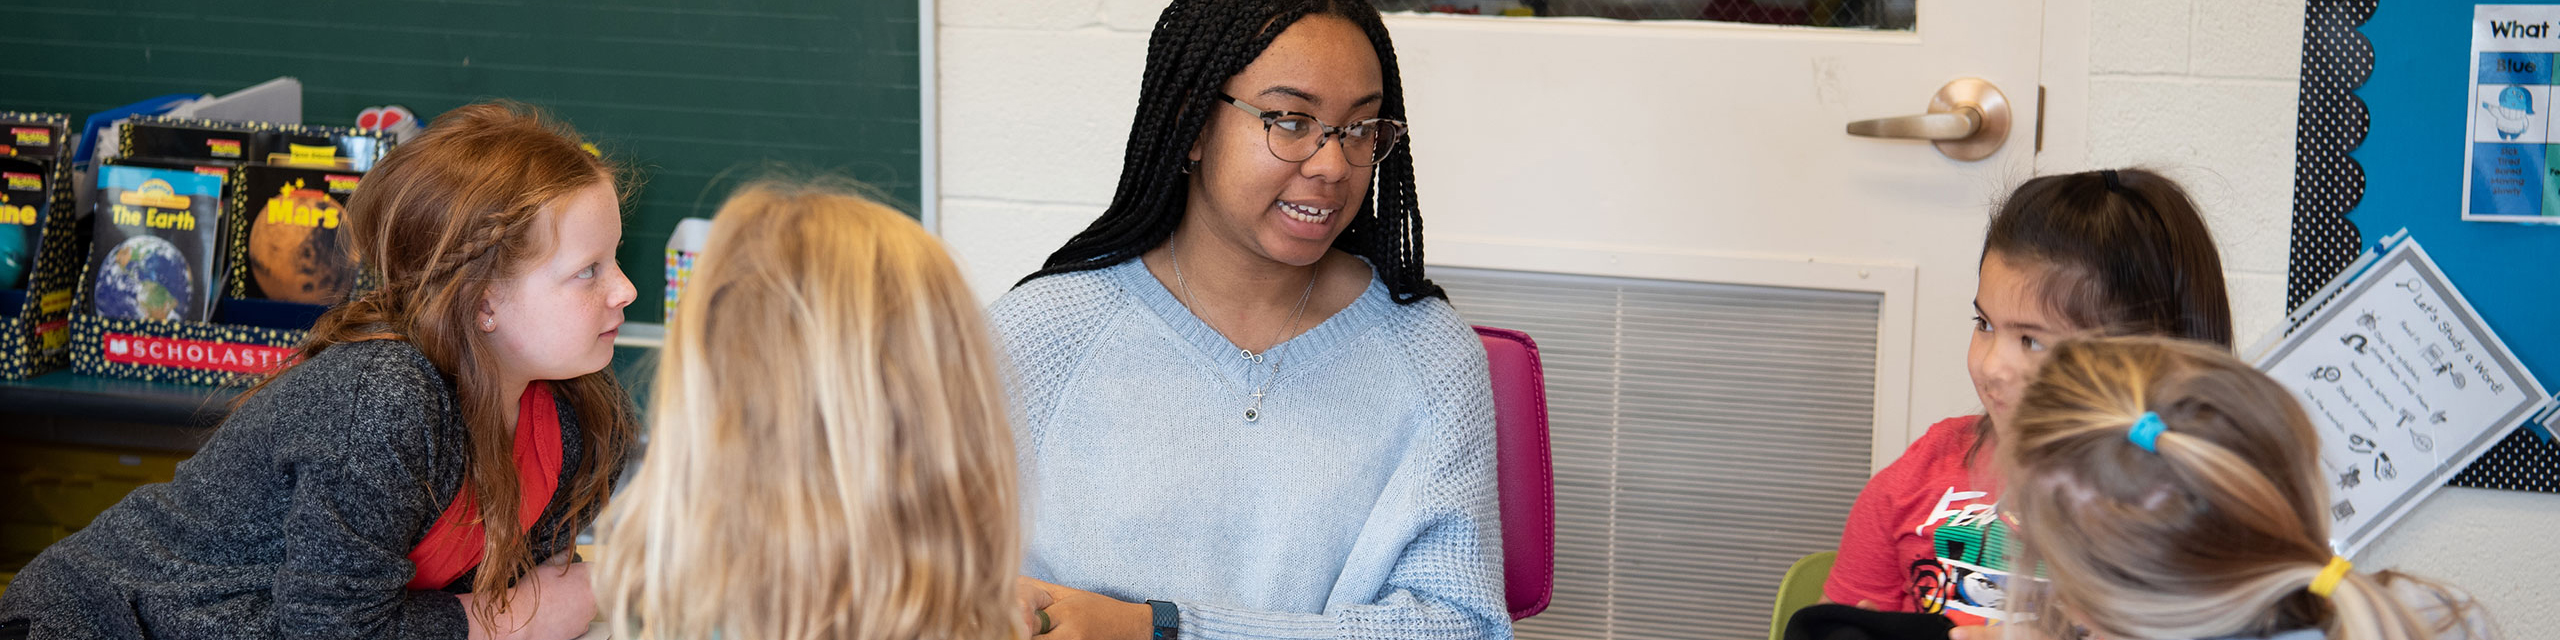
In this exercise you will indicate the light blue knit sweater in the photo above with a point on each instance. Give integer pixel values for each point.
(1361, 505)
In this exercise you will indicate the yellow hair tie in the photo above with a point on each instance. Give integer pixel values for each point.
(2329, 576)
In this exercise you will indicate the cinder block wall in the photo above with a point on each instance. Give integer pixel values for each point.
(2203, 90)
(1036, 102)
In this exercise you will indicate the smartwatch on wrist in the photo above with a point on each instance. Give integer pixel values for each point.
(1168, 622)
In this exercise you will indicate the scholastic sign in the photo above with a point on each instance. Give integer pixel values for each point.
(194, 354)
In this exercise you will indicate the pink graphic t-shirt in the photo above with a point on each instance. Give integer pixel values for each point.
(1926, 534)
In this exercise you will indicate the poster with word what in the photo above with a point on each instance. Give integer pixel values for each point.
(2406, 387)
(2511, 160)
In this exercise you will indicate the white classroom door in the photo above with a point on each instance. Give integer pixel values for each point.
(1716, 152)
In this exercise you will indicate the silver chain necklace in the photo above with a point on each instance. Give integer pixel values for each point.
(1252, 413)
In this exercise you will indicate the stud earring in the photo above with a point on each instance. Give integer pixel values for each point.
(1190, 166)
(488, 324)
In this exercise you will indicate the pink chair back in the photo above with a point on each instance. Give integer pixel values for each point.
(1527, 476)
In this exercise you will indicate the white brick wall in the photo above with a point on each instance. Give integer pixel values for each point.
(2139, 36)
(1035, 105)
(2202, 90)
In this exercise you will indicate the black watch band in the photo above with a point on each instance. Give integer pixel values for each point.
(1168, 621)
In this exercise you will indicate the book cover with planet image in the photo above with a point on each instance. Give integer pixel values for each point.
(26, 195)
(156, 235)
(296, 219)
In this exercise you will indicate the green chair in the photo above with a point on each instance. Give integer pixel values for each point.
(1801, 588)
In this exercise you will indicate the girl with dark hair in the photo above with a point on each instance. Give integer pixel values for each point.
(1245, 411)
(2113, 252)
(435, 439)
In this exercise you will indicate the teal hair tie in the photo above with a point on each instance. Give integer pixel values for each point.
(2146, 432)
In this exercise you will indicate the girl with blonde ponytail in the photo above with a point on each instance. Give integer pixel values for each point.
(829, 450)
(2170, 491)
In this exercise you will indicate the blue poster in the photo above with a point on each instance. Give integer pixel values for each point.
(2509, 161)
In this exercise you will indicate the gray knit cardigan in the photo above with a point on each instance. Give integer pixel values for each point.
(294, 521)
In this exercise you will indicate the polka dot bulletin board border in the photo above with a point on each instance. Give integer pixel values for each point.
(2329, 182)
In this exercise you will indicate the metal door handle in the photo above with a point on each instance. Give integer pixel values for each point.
(1953, 125)
(1968, 120)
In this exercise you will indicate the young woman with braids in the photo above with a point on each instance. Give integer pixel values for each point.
(1245, 412)
(437, 438)
(2170, 491)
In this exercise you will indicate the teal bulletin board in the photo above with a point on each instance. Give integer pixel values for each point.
(690, 94)
(2386, 122)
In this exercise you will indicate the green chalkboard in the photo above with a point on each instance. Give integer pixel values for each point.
(691, 94)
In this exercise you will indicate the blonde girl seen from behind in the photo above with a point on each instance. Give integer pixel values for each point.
(2170, 491)
(830, 455)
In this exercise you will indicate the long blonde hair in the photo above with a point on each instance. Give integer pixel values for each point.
(2219, 533)
(830, 455)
